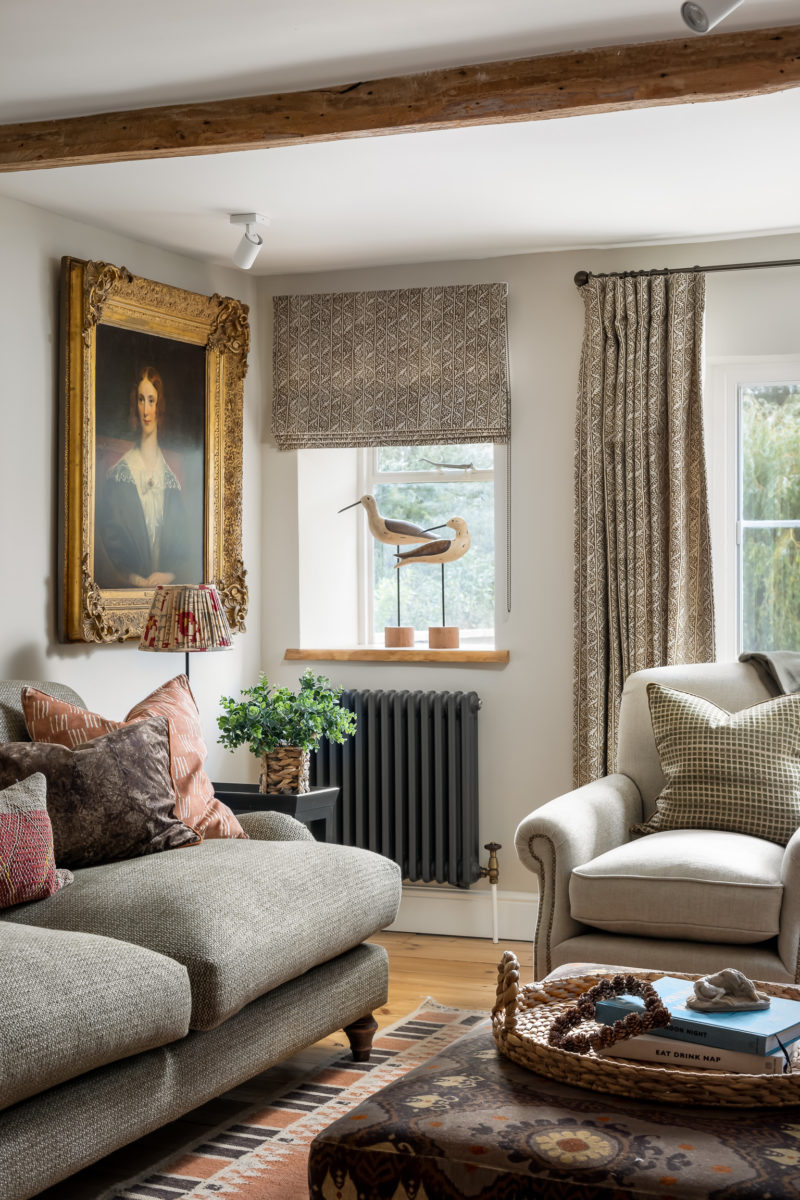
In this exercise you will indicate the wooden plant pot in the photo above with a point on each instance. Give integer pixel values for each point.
(285, 770)
(398, 636)
(443, 637)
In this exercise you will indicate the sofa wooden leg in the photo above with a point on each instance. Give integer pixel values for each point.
(360, 1035)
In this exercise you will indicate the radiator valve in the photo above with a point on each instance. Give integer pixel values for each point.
(492, 872)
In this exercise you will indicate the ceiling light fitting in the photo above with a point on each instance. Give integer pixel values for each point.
(704, 16)
(246, 252)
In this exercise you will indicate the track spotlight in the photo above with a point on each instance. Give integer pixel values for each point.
(708, 13)
(246, 252)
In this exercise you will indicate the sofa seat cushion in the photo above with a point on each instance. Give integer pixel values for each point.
(695, 884)
(241, 916)
(71, 1002)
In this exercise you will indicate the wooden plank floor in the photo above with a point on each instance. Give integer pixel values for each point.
(459, 972)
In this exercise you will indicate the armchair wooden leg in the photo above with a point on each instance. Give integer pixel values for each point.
(360, 1035)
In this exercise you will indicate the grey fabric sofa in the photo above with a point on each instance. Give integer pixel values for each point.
(693, 900)
(149, 986)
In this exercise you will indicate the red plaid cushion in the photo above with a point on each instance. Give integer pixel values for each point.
(27, 863)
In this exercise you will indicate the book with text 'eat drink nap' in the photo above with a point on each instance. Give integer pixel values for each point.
(759, 1032)
(670, 1052)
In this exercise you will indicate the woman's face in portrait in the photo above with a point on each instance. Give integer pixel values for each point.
(147, 400)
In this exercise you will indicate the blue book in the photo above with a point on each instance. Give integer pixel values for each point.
(759, 1032)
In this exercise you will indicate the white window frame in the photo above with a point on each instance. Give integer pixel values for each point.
(724, 377)
(368, 477)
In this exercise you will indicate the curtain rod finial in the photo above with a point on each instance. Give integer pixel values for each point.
(581, 278)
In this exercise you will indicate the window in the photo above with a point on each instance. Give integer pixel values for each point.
(753, 440)
(769, 515)
(410, 483)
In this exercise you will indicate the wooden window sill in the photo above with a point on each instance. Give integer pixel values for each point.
(416, 655)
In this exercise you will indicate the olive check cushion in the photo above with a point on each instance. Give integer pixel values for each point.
(27, 861)
(109, 799)
(733, 771)
(49, 719)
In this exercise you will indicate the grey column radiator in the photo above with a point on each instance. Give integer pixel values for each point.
(409, 781)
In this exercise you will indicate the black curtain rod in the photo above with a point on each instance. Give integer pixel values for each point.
(583, 277)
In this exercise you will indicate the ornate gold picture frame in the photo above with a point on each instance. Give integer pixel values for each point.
(151, 452)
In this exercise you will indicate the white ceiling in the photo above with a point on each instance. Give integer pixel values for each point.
(667, 174)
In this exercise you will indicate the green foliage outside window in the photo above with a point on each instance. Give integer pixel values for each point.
(770, 438)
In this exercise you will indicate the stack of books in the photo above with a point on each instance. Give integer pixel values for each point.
(756, 1043)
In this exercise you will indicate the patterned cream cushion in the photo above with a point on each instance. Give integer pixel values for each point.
(735, 771)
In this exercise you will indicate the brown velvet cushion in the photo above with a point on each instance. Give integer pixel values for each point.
(108, 800)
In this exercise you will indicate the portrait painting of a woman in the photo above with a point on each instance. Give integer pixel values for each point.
(147, 513)
(143, 520)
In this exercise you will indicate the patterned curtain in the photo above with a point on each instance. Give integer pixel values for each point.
(415, 366)
(643, 588)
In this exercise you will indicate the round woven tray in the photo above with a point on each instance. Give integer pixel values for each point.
(521, 1021)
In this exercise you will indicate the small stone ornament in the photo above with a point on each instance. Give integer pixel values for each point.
(727, 991)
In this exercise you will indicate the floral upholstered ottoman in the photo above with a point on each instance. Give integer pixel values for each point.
(470, 1125)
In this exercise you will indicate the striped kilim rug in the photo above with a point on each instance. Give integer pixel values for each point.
(263, 1153)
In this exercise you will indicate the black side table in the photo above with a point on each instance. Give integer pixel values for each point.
(315, 808)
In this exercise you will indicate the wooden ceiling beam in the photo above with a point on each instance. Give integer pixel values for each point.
(607, 79)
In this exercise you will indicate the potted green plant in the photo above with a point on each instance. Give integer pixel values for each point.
(282, 727)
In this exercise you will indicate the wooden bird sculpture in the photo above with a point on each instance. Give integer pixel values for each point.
(393, 533)
(443, 550)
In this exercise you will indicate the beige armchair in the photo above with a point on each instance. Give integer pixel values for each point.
(692, 900)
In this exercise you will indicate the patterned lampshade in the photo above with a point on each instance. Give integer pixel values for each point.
(186, 618)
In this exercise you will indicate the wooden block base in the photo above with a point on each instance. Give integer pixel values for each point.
(443, 637)
(398, 636)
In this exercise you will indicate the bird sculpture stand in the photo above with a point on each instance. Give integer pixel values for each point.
(444, 636)
(443, 550)
(393, 533)
(398, 637)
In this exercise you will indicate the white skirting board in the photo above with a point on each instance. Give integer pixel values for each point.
(466, 913)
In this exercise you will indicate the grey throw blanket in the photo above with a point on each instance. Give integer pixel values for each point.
(781, 668)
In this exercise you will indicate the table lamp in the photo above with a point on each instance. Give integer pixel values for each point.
(186, 617)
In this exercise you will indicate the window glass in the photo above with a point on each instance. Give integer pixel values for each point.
(770, 423)
(769, 541)
(424, 458)
(434, 496)
(770, 589)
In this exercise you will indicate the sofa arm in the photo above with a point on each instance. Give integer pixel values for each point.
(564, 834)
(789, 936)
(274, 827)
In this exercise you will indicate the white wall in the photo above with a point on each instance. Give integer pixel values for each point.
(328, 616)
(526, 719)
(110, 678)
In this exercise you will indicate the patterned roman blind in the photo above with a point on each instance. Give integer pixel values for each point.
(415, 366)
